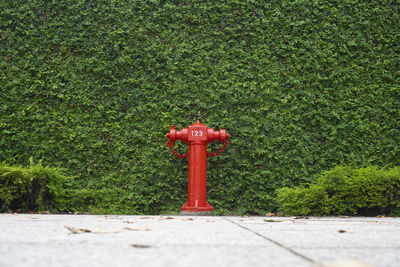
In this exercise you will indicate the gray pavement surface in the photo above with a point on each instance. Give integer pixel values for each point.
(94, 240)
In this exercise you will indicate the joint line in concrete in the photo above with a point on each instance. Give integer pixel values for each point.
(278, 244)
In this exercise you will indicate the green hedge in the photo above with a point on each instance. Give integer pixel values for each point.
(92, 87)
(346, 190)
(33, 188)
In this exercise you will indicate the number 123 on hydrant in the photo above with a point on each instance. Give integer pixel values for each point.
(197, 136)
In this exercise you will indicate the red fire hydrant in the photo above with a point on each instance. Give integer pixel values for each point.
(198, 136)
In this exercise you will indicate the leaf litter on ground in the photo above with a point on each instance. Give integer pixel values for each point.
(100, 231)
(140, 246)
(269, 220)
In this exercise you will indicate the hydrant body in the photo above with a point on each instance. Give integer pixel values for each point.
(197, 136)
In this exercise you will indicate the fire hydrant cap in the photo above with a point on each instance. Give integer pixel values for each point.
(197, 124)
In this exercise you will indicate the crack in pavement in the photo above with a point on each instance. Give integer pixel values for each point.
(316, 263)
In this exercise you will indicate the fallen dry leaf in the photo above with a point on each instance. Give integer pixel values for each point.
(78, 230)
(188, 219)
(144, 218)
(169, 218)
(342, 231)
(128, 221)
(100, 231)
(137, 229)
(140, 246)
(269, 220)
(210, 221)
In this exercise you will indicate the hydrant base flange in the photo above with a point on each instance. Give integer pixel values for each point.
(202, 207)
(198, 213)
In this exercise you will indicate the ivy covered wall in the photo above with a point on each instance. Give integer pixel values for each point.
(92, 86)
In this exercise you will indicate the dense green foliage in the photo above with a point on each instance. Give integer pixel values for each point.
(33, 188)
(346, 190)
(92, 87)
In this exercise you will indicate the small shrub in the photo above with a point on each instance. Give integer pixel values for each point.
(345, 190)
(303, 201)
(33, 188)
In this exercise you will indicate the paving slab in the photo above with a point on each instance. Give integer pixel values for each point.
(375, 241)
(98, 240)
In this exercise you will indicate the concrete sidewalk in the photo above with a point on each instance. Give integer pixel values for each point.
(88, 240)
